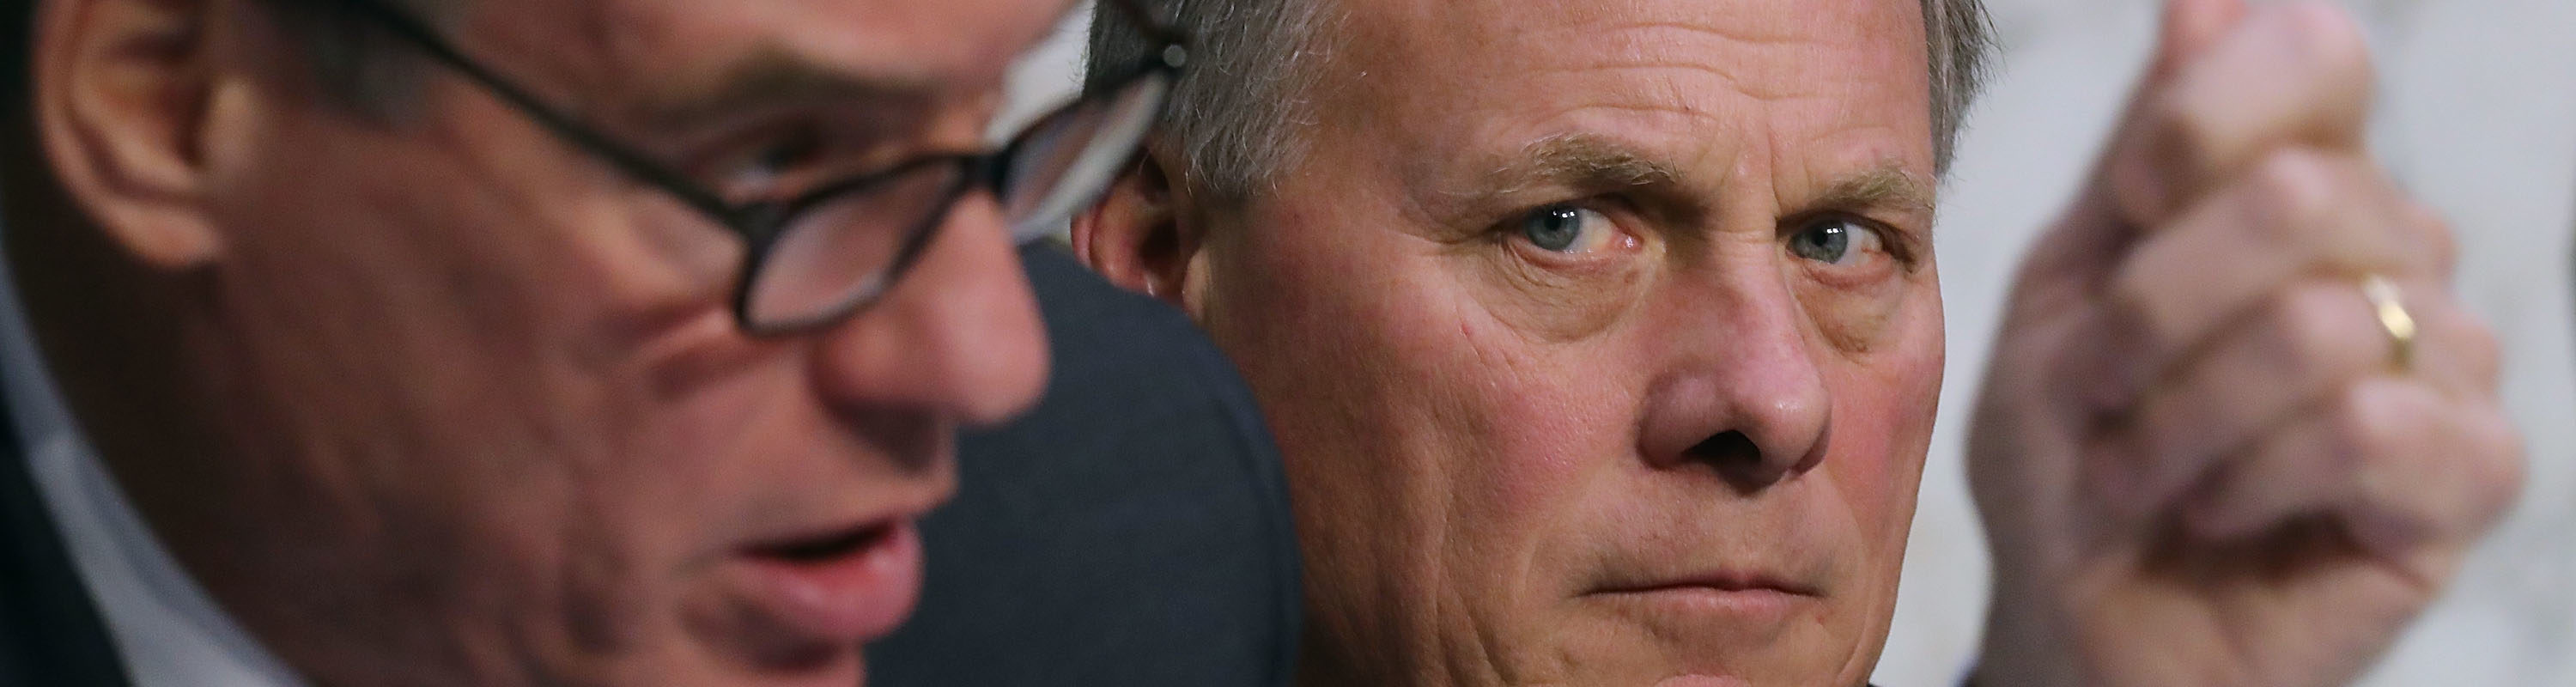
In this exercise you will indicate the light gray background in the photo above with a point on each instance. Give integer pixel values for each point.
(2477, 115)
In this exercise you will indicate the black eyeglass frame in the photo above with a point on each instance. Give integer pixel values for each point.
(760, 223)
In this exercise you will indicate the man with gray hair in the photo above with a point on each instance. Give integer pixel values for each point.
(1602, 341)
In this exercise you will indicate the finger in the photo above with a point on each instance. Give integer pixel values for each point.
(2444, 495)
(2303, 213)
(2292, 73)
(2092, 236)
(2308, 345)
(2398, 463)
(2188, 30)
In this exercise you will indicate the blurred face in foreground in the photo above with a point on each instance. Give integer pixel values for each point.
(1603, 339)
(433, 397)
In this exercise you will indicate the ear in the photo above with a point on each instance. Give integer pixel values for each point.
(1138, 237)
(120, 96)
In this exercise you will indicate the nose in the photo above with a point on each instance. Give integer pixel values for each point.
(957, 337)
(1740, 392)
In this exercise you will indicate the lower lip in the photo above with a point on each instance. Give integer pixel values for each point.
(844, 600)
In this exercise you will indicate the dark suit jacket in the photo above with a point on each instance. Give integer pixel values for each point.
(50, 634)
(1131, 530)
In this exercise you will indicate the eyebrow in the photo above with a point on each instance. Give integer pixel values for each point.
(773, 77)
(1592, 163)
(1888, 186)
(1580, 161)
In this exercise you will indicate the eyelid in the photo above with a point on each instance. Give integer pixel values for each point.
(1623, 242)
(1620, 213)
(1899, 243)
(840, 146)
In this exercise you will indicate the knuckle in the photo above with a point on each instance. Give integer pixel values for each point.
(2369, 419)
(2323, 328)
(2294, 192)
(2130, 312)
(2182, 138)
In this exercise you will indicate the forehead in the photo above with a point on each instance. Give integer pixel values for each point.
(947, 44)
(1842, 78)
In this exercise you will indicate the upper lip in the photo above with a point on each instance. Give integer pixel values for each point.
(827, 535)
(1724, 579)
(823, 543)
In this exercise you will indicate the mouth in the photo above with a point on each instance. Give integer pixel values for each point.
(827, 547)
(824, 593)
(1745, 596)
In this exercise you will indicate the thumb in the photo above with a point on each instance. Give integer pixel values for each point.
(2098, 228)
(2190, 28)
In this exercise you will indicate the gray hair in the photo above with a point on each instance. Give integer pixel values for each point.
(1247, 82)
(1250, 73)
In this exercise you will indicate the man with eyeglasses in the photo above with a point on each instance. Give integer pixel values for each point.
(443, 342)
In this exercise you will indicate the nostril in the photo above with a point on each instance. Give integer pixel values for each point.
(1728, 446)
(1738, 459)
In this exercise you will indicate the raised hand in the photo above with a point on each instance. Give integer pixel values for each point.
(2237, 430)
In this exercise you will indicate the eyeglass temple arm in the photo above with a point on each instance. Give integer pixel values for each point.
(643, 168)
(1145, 21)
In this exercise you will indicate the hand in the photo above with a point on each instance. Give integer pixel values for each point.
(2200, 457)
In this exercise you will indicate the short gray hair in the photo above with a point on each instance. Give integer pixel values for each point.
(1248, 80)
(1251, 70)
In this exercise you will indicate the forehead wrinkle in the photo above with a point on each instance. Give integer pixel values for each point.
(1714, 78)
(1637, 35)
(1695, 51)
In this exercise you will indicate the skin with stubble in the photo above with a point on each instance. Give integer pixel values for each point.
(1603, 340)
(437, 399)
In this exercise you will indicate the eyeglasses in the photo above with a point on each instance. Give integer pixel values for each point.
(823, 255)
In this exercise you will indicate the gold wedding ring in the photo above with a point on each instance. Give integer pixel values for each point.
(2400, 325)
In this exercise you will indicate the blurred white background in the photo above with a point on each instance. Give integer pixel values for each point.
(2477, 115)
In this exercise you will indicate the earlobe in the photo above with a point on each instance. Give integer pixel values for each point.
(1136, 236)
(121, 93)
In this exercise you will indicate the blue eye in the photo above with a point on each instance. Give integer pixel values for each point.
(1566, 229)
(1835, 241)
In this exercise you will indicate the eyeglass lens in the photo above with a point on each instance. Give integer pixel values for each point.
(841, 251)
(844, 250)
(1064, 161)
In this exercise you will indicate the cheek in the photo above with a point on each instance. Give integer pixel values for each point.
(1535, 421)
(1380, 348)
(515, 445)
(1431, 445)
(1884, 404)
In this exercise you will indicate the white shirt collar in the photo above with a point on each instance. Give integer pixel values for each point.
(169, 631)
